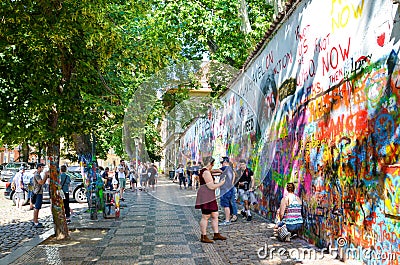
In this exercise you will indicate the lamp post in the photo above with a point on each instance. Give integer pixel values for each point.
(19, 153)
(5, 154)
(136, 139)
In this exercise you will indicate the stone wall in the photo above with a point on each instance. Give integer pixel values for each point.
(319, 106)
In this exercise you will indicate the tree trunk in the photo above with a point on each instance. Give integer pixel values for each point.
(245, 27)
(57, 204)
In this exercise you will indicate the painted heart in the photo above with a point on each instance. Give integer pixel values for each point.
(381, 39)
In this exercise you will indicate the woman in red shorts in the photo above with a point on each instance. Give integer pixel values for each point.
(206, 201)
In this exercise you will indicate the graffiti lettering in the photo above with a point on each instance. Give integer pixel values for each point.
(257, 74)
(322, 44)
(352, 123)
(269, 59)
(302, 47)
(330, 101)
(344, 14)
(305, 74)
(331, 59)
(336, 77)
(283, 63)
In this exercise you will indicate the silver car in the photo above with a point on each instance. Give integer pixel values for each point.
(77, 191)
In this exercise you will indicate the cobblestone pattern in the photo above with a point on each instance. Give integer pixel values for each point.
(155, 228)
(16, 226)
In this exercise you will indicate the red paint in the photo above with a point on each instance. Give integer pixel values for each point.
(381, 39)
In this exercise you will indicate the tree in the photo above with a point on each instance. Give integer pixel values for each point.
(69, 68)
(53, 53)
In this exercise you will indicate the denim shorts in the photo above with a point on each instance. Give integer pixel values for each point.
(39, 201)
(294, 227)
(226, 198)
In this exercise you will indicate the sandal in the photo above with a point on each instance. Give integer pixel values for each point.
(234, 218)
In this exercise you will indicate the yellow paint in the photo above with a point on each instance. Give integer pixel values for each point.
(342, 12)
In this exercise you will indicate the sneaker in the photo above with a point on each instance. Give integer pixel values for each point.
(243, 213)
(39, 225)
(225, 223)
(122, 199)
(234, 218)
(249, 218)
(68, 221)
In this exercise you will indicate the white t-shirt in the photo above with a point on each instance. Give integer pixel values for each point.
(121, 173)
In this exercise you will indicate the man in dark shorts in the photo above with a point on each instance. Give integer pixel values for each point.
(38, 183)
(152, 172)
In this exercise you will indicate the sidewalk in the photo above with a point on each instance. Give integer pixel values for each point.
(161, 227)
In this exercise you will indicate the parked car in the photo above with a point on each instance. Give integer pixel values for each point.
(2, 166)
(77, 191)
(10, 169)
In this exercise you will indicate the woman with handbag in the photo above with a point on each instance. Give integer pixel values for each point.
(290, 215)
(206, 201)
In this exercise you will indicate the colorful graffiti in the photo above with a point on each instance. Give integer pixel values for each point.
(319, 107)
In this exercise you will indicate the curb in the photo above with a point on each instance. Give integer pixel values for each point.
(35, 241)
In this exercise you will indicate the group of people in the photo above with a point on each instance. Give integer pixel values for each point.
(242, 183)
(145, 175)
(188, 176)
(35, 191)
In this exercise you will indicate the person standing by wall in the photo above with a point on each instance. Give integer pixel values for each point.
(19, 188)
(233, 204)
(143, 176)
(226, 190)
(65, 180)
(38, 183)
(181, 176)
(206, 201)
(195, 175)
(152, 172)
(246, 185)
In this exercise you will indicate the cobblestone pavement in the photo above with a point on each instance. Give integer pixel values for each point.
(161, 227)
(16, 226)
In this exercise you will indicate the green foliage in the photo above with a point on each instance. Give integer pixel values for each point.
(70, 66)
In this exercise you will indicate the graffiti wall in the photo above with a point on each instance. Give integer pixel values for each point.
(319, 106)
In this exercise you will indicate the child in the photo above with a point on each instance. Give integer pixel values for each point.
(116, 197)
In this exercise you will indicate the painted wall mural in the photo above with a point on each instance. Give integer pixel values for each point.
(319, 106)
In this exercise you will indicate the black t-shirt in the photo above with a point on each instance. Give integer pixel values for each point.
(152, 172)
(106, 178)
(195, 170)
(245, 177)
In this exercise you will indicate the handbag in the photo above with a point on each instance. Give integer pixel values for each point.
(283, 233)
